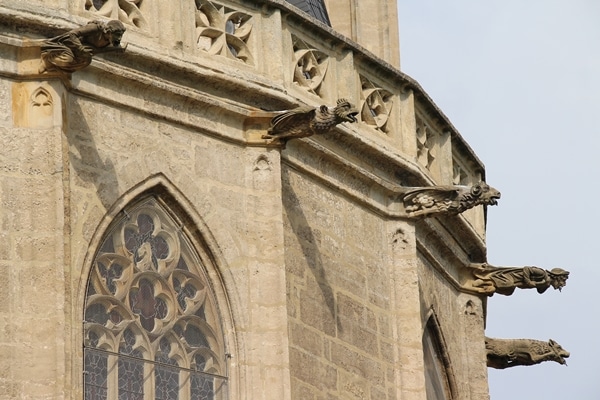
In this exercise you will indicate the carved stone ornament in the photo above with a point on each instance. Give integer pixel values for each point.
(506, 353)
(126, 11)
(74, 50)
(376, 105)
(310, 69)
(488, 279)
(430, 201)
(223, 31)
(307, 121)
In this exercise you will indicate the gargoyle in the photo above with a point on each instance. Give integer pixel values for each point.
(74, 50)
(489, 279)
(506, 353)
(307, 121)
(425, 201)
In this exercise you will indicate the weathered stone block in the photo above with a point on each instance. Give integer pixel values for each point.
(312, 370)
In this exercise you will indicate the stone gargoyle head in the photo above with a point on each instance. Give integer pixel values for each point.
(559, 354)
(344, 111)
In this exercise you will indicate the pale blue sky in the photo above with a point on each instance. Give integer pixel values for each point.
(520, 79)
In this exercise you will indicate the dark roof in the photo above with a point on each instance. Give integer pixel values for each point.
(314, 8)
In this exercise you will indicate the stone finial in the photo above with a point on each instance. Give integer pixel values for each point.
(307, 121)
(429, 201)
(74, 50)
(506, 353)
(488, 279)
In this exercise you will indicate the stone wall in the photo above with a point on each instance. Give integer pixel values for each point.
(33, 298)
(339, 295)
(315, 270)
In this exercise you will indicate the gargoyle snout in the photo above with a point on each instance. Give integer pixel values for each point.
(351, 116)
(494, 195)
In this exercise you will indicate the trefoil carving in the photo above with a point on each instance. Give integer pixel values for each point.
(506, 353)
(307, 121)
(487, 279)
(435, 200)
(75, 49)
(41, 99)
(223, 31)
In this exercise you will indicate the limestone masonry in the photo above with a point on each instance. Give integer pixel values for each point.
(234, 200)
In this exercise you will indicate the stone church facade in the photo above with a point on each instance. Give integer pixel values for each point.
(160, 243)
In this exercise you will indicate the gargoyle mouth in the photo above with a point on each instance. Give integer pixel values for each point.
(494, 199)
(561, 359)
(351, 116)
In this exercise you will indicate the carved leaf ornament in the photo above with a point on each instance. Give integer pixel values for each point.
(223, 31)
(148, 300)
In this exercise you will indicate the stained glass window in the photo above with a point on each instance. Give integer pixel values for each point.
(151, 325)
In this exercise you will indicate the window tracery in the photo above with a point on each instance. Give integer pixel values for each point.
(151, 325)
(223, 31)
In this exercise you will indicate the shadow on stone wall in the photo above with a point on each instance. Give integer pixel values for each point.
(86, 162)
(309, 244)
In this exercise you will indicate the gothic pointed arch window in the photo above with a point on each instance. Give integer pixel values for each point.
(152, 328)
(439, 380)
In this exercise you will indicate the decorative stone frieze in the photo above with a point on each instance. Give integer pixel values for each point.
(506, 353)
(376, 105)
(223, 31)
(488, 279)
(126, 11)
(74, 50)
(434, 200)
(307, 121)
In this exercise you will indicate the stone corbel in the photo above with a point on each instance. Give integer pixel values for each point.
(506, 353)
(435, 200)
(75, 49)
(488, 279)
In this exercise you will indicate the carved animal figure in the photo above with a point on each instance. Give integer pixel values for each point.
(307, 121)
(74, 50)
(424, 201)
(490, 279)
(506, 353)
